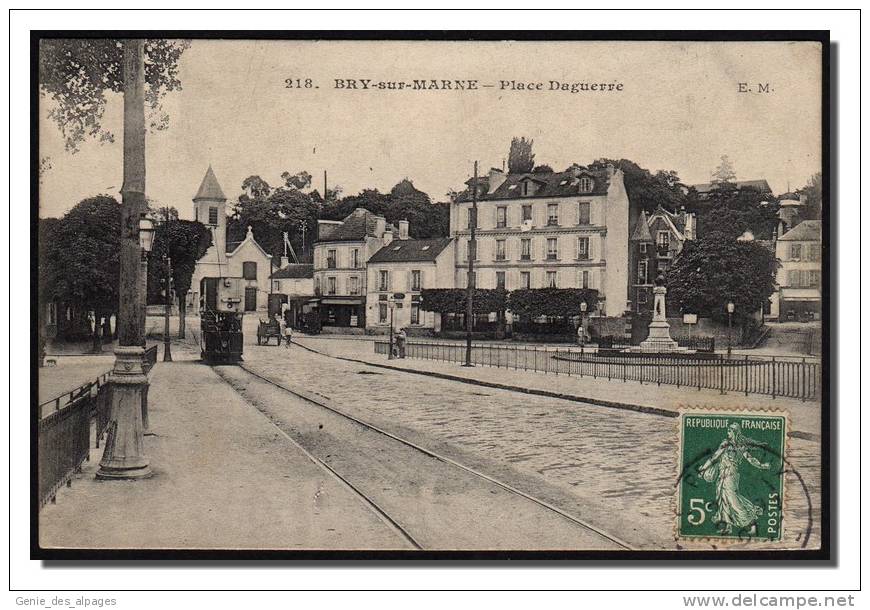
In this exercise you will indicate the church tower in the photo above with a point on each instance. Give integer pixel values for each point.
(210, 208)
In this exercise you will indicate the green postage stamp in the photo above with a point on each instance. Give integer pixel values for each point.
(731, 474)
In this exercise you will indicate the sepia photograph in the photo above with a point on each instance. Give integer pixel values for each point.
(419, 295)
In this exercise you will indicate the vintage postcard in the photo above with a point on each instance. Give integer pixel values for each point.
(419, 295)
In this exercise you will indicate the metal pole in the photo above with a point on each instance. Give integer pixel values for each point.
(729, 335)
(124, 452)
(167, 354)
(390, 353)
(472, 252)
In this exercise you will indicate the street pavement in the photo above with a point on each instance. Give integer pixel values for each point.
(617, 468)
(224, 477)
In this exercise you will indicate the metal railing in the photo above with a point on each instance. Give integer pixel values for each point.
(700, 343)
(776, 377)
(64, 435)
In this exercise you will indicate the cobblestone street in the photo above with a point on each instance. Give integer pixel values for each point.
(616, 468)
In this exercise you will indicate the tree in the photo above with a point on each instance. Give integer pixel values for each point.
(542, 169)
(80, 263)
(647, 190)
(298, 181)
(732, 211)
(716, 269)
(185, 242)
(551, 302)
(452, 300)
(284, 211)
(521, 159)
(812, 209)
(724, 173)
(256, 188)
(77, 73)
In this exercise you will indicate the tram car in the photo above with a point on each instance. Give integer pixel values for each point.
(220, 316)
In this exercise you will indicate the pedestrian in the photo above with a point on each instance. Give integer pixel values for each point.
(401, 340)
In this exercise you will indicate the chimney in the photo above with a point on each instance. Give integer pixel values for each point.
(388, 238)
(380, 225)
(496, 179)
(403, 229)
(284, 261)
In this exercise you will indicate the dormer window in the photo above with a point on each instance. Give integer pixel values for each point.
(528, 188)
(585, 184)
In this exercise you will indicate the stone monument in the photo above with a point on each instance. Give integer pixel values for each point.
(659, 339)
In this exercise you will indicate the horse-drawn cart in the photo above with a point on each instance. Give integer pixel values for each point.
(268, 329)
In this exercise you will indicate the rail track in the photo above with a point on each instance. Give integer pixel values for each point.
(390, 520)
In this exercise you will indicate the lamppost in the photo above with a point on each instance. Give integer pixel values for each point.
(167, 287)
(730, 308)
(582, 330)
(392, 305)
(124, 455)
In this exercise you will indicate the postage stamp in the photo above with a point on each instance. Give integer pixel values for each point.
(731, 475)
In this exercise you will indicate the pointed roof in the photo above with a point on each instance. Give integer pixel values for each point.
(641, 229)
(808, 230)
(210, 188)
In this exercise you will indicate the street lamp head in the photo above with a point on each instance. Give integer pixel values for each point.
(730, 307)
(584, 306)
(146, 233)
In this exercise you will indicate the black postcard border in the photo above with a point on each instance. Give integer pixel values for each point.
(824, 556)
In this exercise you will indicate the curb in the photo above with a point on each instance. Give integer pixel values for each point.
(625, 406)
(610, 404)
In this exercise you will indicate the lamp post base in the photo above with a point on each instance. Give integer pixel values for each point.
(124, 453)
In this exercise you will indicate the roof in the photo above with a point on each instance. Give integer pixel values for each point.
(760, 185)
(411, 250)
(677, 220)
(555, 184)
(294, 271)
(641, 229)
(210, 188)
(358, 225)
(808, 230)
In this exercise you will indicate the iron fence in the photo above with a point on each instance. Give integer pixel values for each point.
(776, 377)
(64, 435)
(699, 344)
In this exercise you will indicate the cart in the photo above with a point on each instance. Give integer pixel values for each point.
(268, 329)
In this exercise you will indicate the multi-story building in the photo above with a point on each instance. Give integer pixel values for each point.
(799, 279)
(655, 243)
(705, 189)
(559, 229)
(407, 266)
(295, 281)
(340, 255)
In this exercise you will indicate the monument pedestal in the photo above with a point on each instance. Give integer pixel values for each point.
(659, 338)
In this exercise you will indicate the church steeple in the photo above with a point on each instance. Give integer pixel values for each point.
(209, 207)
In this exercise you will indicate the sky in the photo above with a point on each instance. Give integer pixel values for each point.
(679, 109)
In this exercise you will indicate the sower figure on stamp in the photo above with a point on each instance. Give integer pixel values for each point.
(732, 509)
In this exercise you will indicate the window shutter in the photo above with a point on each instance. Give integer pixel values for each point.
(589, 253)
(408, 280)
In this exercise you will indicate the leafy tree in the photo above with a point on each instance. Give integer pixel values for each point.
(731, 211)
(256, 188)
(724, 173)
(542, 169)
(285, 210)
(185, 242)
(77, 73)
(79, 261)
(812, 209)
(715, 269)
(647, 190)
(452, 300)
(298, 181)
(521, 159)
(551, 302)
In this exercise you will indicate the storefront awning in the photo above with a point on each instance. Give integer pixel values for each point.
(342, 301)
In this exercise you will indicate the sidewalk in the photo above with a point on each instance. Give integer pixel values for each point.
(665, 400)
(224, 477)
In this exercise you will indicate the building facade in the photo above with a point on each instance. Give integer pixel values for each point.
(656, 241)
(341, 252)
(246, 259)
(294, 282)
(799, 279)
(407, 266)
(559, 229)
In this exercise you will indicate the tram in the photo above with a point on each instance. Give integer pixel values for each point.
(220, 318)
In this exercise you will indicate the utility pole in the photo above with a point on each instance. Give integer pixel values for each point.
(472, 253)
(167, 354)
(124, 453)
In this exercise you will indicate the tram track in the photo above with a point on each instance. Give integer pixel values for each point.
(438, 467)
